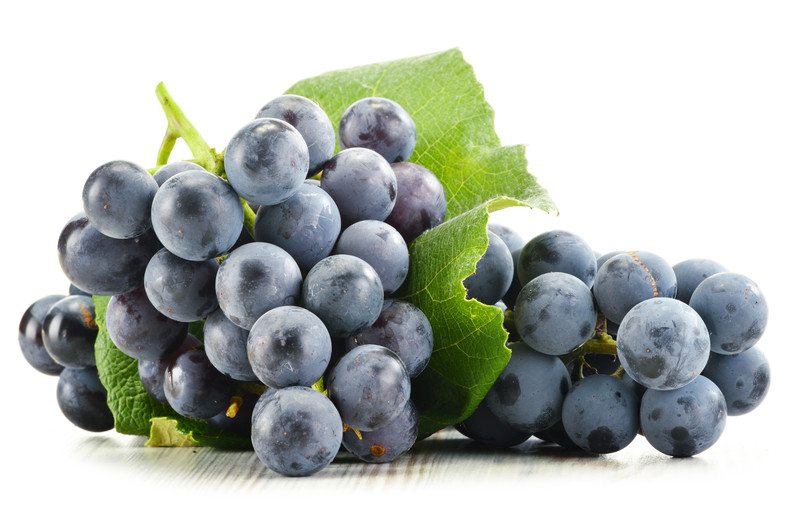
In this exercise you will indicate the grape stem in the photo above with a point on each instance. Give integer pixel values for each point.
(179, 126)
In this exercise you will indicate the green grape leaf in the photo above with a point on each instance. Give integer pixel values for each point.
(456, 139)
(135, 412)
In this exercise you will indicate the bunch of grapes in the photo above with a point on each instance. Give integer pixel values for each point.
(304, 301)
(607, 347)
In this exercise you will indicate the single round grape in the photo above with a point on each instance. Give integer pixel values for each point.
(663, 344)
(82, 399)
(344, 292)
(182, 290)
(138, 329)
(289, 346)
(557, 251)
(386, 444)
(101, 265)
(484, 427)
(362, 184)
(74, 290)
(493, 273)
(151, 373)
(403, 329)
(630, 278)
(529, 393)
(369, 386)
(421, 203)
(513, 241)
(380, 246)
(196, 215)
(194, 388)
(685, 421)
(30, 336)
(226, 347)
(238, 418)
(266, 161)
(169, 170)
(602, 259)
(734, 309)
(296, 431)
(69, 331)
(306, 225)
(555, 313)
(601, 414)
(117, 198)
(742, 378)
(254, 279)
(381, 125)
(690, 273)
(558, 435)
(310, 121)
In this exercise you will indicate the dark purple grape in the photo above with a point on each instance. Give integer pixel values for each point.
(194, 388)
(82, 399)
(421, 203)
(69, 332)
(30, 336)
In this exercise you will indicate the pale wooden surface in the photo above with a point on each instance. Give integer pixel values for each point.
(447, 458)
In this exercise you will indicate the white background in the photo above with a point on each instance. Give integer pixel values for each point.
(671, 127)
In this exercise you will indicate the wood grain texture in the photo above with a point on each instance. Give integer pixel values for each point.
(446, 458)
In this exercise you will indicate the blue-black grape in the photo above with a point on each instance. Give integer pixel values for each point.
(632, 384)
(420, 204)
(602, 259)
(75, 290)
(690, 273)
(196, 215)
(138, 329)
(663, 344)
(685, 421)
(369, 386)
(194, 388)
(266, 161)
(182, 290)
(557, 252)
(734, 310)
(558, 435)
(380, 246)
(493, 273)
(512, 239)
(296, 431)
(403, 329)
(30, 336)
(601, 414)
(386, 444)
(117, 198)
(69, 331)
(310, 121)
(484, 427)
(306, 225)
(82, 399)
(237, 419)
(344, 292)
(629, 278)
(529, 393)
(362, 184)
(254, 279)
(169, 170)
(151, 373)
(555, 313)
(99, 264)
(226, 347)
(742, 378)
(381, 125)
(288, 346)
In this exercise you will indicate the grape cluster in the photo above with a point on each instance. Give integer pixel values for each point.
(606, 347)
(305, 301)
